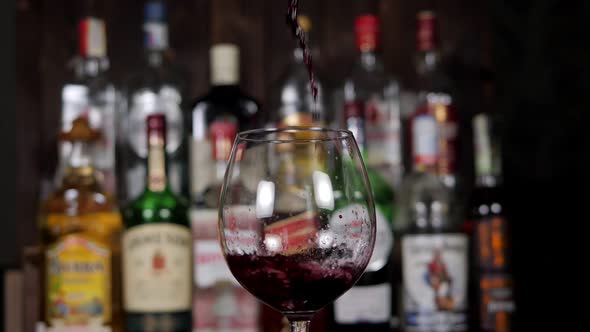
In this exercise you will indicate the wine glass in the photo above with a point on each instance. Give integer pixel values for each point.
(296, 217)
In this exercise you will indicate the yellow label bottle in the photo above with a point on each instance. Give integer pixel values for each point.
(80, 231)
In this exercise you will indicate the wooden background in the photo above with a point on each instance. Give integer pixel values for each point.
(47, 39)
(537, 51)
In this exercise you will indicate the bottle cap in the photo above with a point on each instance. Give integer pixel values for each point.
(154, 26)
(225, 64)
(92, 37)
(426, 35)
(154, 11)
(156, 125)
(367, 32)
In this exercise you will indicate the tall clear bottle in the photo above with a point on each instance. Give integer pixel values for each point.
(432, 251)
(220, 303)
(81, 229)
(155, 89)
(90, 94)
(435, 97)
(294, 102)
(157, 247)
(378, 93)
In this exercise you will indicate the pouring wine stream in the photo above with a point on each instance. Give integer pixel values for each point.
(299, 34)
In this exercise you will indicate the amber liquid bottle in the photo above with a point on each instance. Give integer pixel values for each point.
(80, 232)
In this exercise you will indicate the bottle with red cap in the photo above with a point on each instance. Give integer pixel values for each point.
(435, 97)
(378, 94)
(89, 93)
(157, 247)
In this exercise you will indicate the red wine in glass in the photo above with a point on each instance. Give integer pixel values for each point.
(301, 283)
(297, 241)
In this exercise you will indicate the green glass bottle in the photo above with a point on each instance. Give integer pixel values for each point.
(368, 305)
(157, 248)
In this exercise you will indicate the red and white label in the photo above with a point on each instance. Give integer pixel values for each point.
(220, 303)
(92, 38)
(222, 138)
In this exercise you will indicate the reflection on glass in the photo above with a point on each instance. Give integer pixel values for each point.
(322, 186)
(265, 199)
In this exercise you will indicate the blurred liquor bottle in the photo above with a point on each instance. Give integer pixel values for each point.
(368, 306)
(80, 227)
(157, 247)
(379, 95)
(89, 93)
(220, 303)
(154, 89)
(491, 280)
(435, 97)
(431, 251)
(293, 101)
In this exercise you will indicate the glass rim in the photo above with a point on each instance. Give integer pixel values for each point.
(252, 135)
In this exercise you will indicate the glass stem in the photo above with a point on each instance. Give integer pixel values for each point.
(299, 326)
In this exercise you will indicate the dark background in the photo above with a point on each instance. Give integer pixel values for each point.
(528, 61)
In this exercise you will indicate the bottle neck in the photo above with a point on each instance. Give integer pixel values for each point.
(154, 58)
(89, 67)
(369, 59)
(428, 62)
(488, 181)
(79, 165)
(156, 163)
(155, 42)
(355, 123)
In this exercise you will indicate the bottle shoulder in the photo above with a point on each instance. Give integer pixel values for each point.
(152, 207)
(74, 211)
(219, 103)
(76, 200)
(157, 80)
(365, 80)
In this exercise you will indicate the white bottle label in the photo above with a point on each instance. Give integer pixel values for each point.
(95, 38)
(210, 266)
(364, 304)
(157, 263)
(424, 139)
(383, 132)
(156, 35)
(434, 282)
